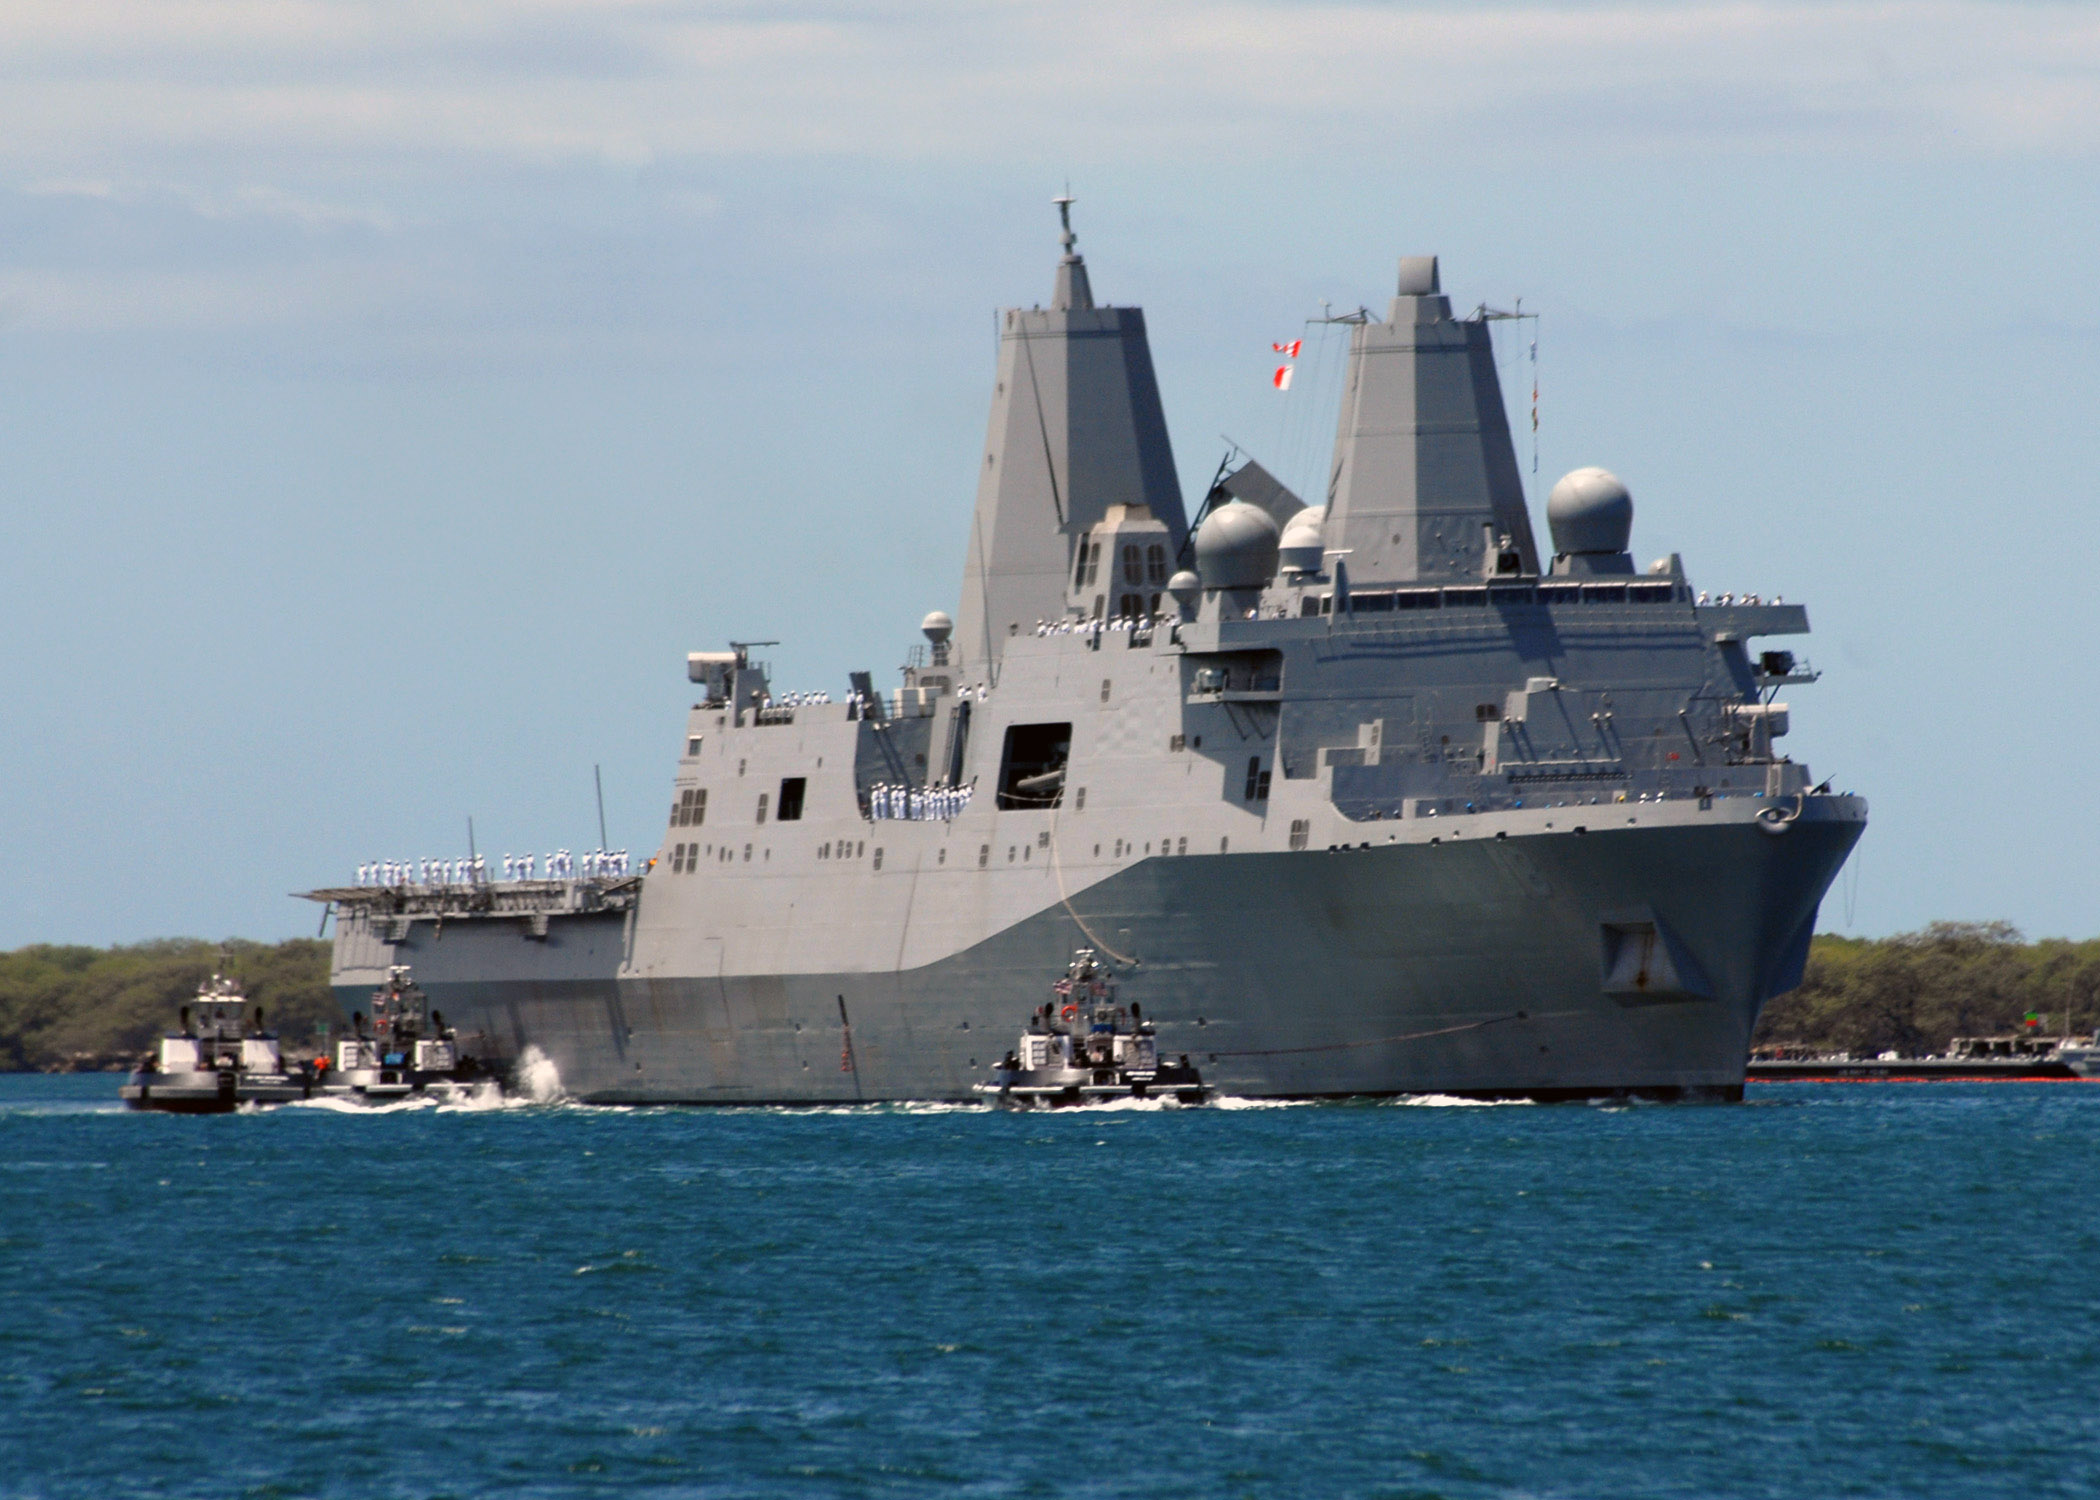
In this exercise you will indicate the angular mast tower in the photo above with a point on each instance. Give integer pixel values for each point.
(1425, 484)
(1076, 427)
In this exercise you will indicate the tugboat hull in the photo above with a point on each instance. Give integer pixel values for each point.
(210, 1093)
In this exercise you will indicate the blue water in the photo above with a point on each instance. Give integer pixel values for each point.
(1830, 1290)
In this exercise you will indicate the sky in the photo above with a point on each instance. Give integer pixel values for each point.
(391, 395)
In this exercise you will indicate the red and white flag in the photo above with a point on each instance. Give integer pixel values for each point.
(1282, 378)
(1290, 350)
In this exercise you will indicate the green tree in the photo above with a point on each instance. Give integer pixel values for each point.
(64, 1007)
(1914, 992)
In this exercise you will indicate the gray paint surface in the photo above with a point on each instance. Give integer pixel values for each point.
(1450, 829)
(1425, 476)
(1076, 426)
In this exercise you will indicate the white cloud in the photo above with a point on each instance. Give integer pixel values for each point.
(236, 165)
(93, 85)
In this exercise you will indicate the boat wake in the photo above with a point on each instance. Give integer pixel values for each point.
(539, 1080)
(338, 1105)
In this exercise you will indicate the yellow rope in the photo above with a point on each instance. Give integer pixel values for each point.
(1057, 868)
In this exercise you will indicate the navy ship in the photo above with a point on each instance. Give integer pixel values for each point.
(1370, 795)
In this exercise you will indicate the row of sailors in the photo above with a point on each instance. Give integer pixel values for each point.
(1119, 622)
(1739, 599)
(471, 871)
(934, 804)
(597, 864)
(859, 703)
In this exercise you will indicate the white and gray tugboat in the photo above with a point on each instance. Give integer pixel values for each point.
(1085, 1048)
(1376, 795)
(403, 1049)
(218, 1058)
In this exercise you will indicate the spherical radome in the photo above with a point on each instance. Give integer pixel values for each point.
(1304, 541)
(1590, 510)
(1184, 583)
(937, 627)
(1236, 547)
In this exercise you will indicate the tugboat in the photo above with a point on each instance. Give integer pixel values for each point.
(406, 1049)
(1084, 1048)
(219, 1060)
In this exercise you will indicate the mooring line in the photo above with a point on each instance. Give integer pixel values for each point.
(1376, 1041)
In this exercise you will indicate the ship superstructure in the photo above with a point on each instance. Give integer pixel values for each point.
(1375, 796)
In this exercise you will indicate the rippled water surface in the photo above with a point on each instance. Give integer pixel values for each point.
(1830, 1290)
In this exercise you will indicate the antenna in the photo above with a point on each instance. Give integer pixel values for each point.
(1486, 314)
(1064, 218)
(598, 778)
(472, 852)
(1186, 555)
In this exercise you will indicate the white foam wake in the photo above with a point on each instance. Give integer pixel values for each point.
(341, 1104)
(539, 1080)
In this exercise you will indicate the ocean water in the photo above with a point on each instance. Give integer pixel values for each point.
(1829, 1290)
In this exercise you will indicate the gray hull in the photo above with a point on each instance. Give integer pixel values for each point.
(1471, 965)
(1360, 797)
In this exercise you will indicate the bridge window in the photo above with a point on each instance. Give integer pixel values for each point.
(1156, 564)
(691, 810)
(1133, 569)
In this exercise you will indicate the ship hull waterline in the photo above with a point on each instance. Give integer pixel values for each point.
(1470, 967)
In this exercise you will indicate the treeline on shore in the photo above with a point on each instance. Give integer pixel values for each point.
(1911, 993)
(78, 1009)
